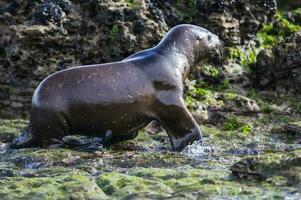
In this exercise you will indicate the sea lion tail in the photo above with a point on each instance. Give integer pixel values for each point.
(24, 140)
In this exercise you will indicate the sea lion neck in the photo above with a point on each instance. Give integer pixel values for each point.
(178, 49)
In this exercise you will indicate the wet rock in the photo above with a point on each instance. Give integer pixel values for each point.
(201, 113)
(225, 17)
(8, 170)
(290, 4)
(289, 132)
(231, 102)
(125, 146)
(245, 151)
(238, 103)
(6, 173)
(269, 165)
(51, 11)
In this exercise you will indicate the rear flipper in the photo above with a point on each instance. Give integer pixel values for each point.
(24, 140)
(84, 143)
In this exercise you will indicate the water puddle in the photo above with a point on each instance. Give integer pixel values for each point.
(245, 151)
(34, 165)
(281, 147)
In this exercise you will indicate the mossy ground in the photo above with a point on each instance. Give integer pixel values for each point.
(254, 155)
(145, 168)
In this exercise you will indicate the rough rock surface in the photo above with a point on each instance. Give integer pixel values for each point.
(279, 68)
(268, 166)
(38, 38)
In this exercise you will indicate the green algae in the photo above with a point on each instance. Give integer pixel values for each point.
(114, 33)
(9, 129)
(211, 71)
(121, 185)
(166, 183)
(297, 107)
(269, 35)
(233, 124)
(267, 40)
(72, 185)
(246, 129)
(245, 58)
(197, 93)
(230, 95)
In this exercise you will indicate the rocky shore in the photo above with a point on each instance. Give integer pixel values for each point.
(247, 102)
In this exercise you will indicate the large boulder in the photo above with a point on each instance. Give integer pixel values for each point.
(235, 21)
(279, 68)
(269, 167)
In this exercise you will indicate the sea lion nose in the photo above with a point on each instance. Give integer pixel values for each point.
(215, 39)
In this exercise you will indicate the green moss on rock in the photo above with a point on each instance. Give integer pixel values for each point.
(122, 185)
(270, 34)
(243, 57)
(269, 165)
(73, 185)
(9, 129)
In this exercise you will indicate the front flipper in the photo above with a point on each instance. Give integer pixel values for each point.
(82, 143)
(24, 140)
(181, 127)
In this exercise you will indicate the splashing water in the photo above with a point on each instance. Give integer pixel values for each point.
(197, 152)
(3, 148)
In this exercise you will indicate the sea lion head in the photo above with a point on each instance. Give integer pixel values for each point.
(195, 42)
(204, 41)
(200, 41)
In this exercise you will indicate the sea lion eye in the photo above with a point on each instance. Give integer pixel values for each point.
(209, 37)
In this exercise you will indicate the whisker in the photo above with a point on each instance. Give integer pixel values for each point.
(222, 47)
(221, 54)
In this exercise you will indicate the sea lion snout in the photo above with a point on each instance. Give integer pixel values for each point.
(213, 41)
(205, 38)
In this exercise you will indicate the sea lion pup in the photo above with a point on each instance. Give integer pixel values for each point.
(120, 98)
